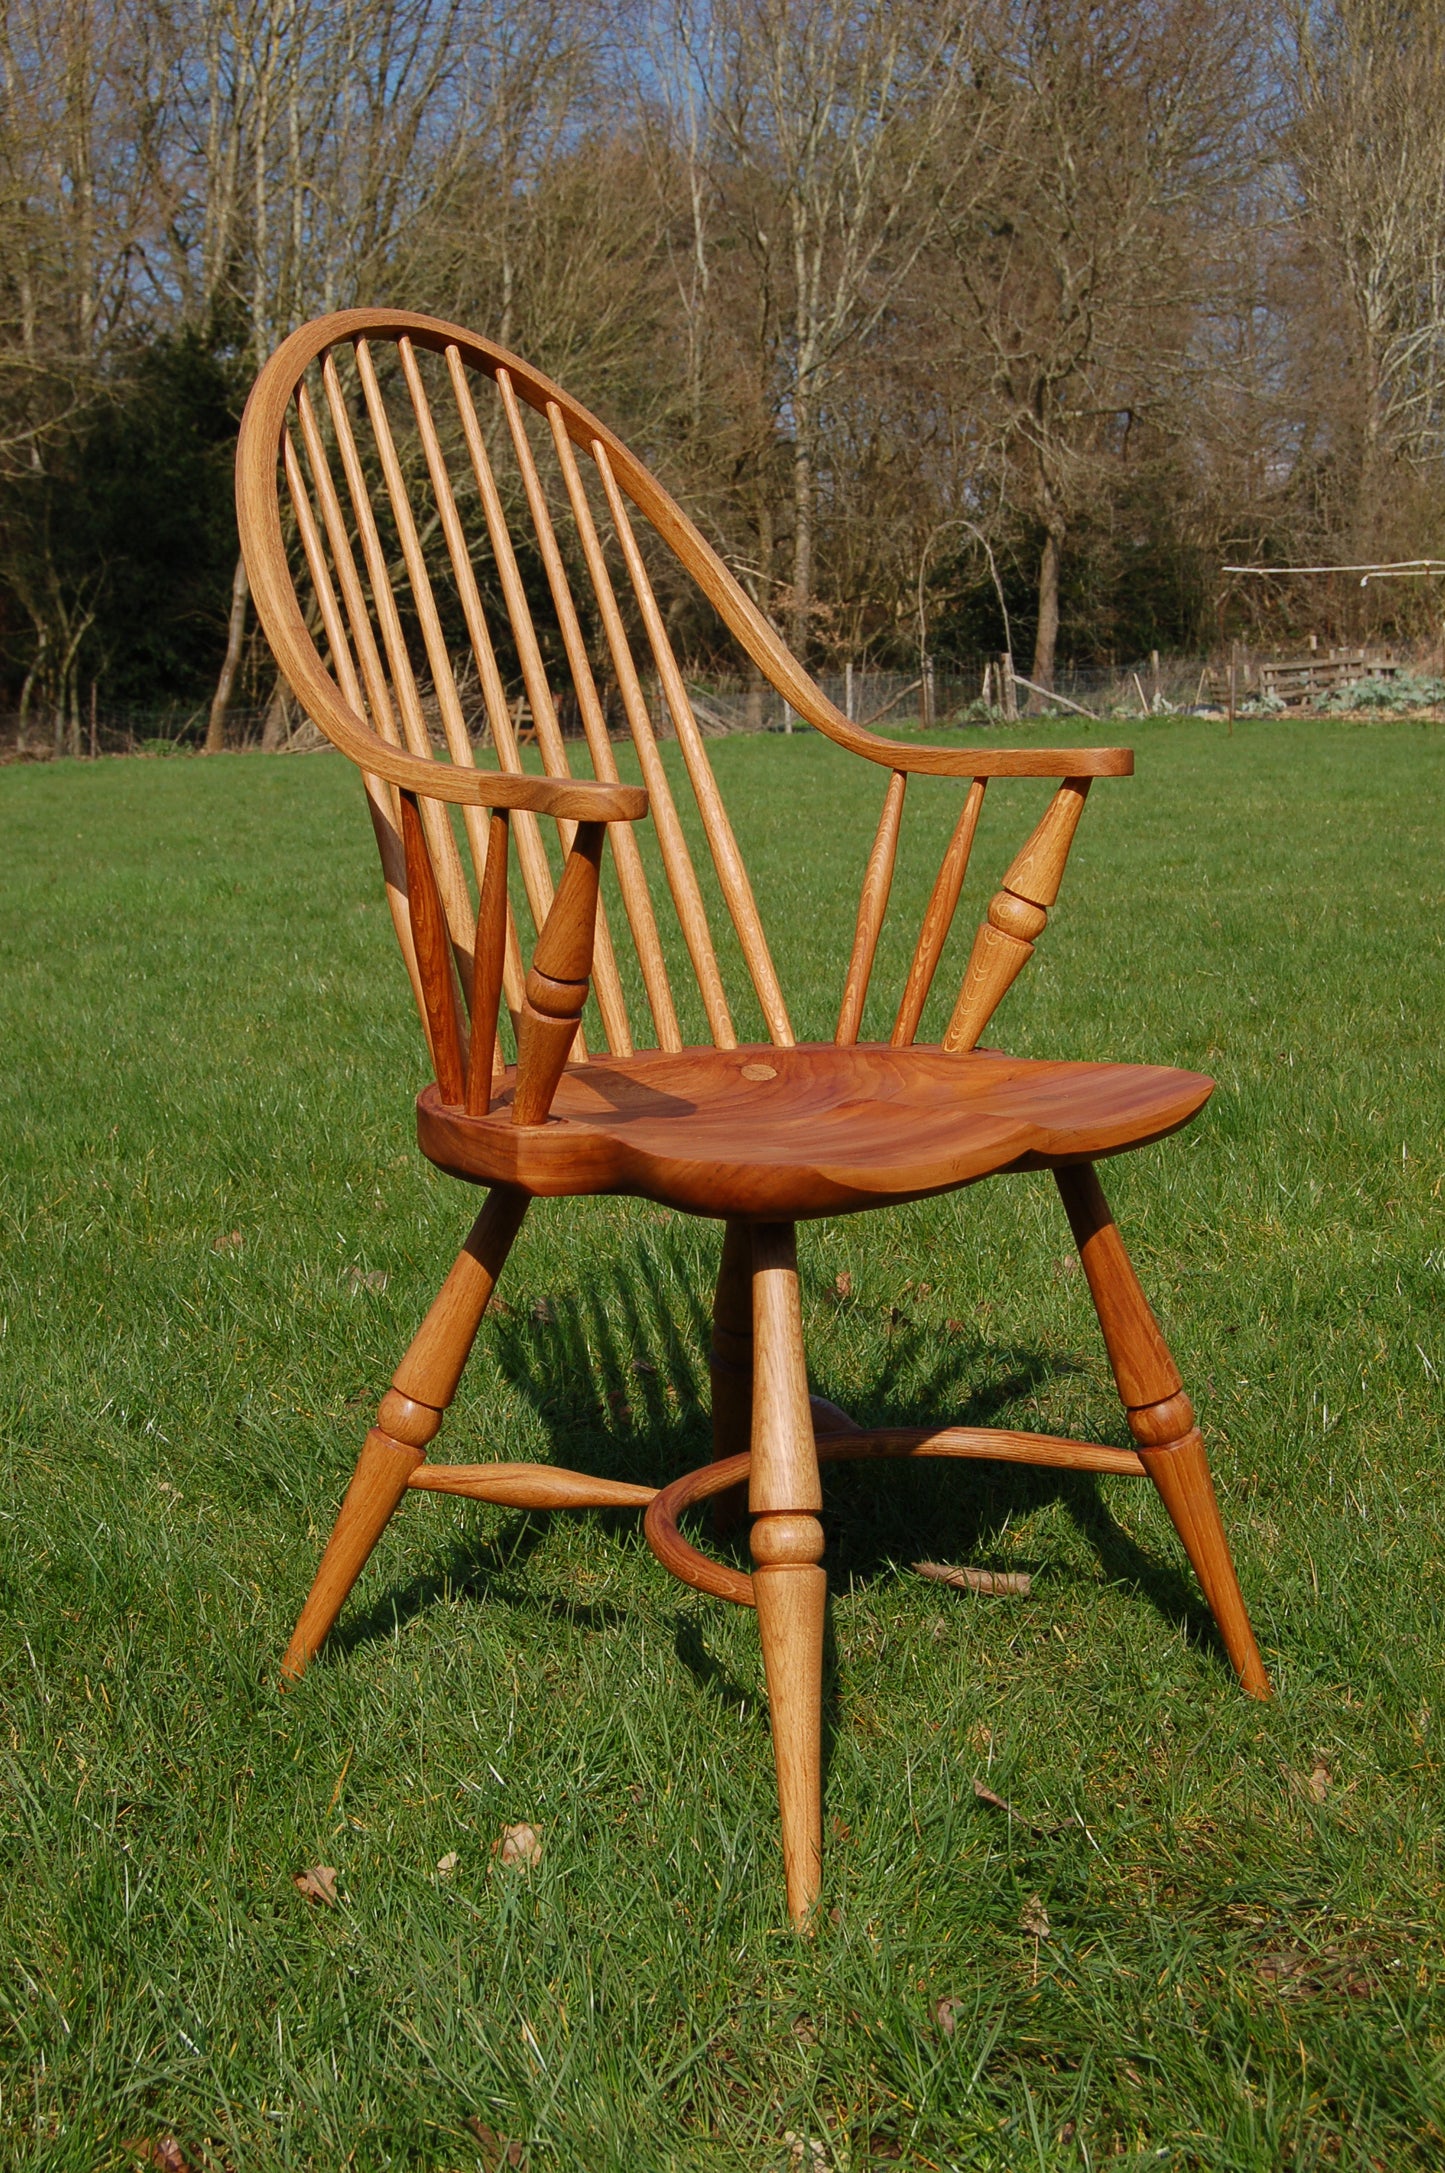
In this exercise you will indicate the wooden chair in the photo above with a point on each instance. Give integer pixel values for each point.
(414, 528)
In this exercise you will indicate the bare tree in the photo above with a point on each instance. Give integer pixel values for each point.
(1094, 242)
(839, 109)
(1363, 174)
(80, 198)
(309, 136)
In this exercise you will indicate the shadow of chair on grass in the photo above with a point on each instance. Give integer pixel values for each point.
(616, 1378)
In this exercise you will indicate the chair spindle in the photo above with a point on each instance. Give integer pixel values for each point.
(381, 799)
(681, 878)
(454, 725)
(446, 861)
(433, 955)
(631, 875)
(872, 905)
(494, 695)
(489, 955)
(531, 854)
(373, 672)
(731, 873)
(606, 980)
(938, 918)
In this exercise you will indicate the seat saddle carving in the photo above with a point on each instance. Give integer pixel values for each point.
(451, 559)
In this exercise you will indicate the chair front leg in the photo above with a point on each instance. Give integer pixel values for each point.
(1161, 1416)
(789, 1586)
(409, 1417)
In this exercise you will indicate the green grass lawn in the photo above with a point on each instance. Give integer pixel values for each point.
(218, 1237)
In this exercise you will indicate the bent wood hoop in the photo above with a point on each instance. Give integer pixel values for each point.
(266, 559)
(984, 1443)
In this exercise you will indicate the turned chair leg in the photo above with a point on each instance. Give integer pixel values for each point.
(789, 1586)
(1161, 1417)
(410, 1416)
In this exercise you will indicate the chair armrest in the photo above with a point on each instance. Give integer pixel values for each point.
(573, 799)
(985, 761)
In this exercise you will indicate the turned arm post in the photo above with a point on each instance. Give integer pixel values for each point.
(1016, 916)
(557, 984)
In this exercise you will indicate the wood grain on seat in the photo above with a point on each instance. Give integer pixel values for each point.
(783, 1134)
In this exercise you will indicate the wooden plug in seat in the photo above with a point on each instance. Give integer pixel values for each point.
(377, 511)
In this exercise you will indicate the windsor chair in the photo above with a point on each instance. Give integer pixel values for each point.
(408, 552)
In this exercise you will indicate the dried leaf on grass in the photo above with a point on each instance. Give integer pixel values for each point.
(1292, 1974)
(543, 1311)
(228, 1241)
(447, 1864)
(842, 1288)
(999, 1803)
(519, 1846)
(160, 2150)
(1013, 1583)
(1034, 1919)
(374, 1279)
(317, 1883)
(500, 2153)
(806, 2151)
(946, 2013)
(1315, 1785)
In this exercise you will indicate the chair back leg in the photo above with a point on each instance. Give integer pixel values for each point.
(790, 1588)
(410, 1416)
(1161, 1416)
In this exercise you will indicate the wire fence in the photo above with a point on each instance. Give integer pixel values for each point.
(978, 692)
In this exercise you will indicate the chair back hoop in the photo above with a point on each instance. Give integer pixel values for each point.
(430, 575)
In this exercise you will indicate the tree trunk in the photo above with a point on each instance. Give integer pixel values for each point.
(275, 724)
(1046, 640)
(235, 635)
(802, 535)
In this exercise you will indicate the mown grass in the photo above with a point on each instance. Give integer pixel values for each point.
(218, 1237)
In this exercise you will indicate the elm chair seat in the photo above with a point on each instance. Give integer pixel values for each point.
(811, 1130)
